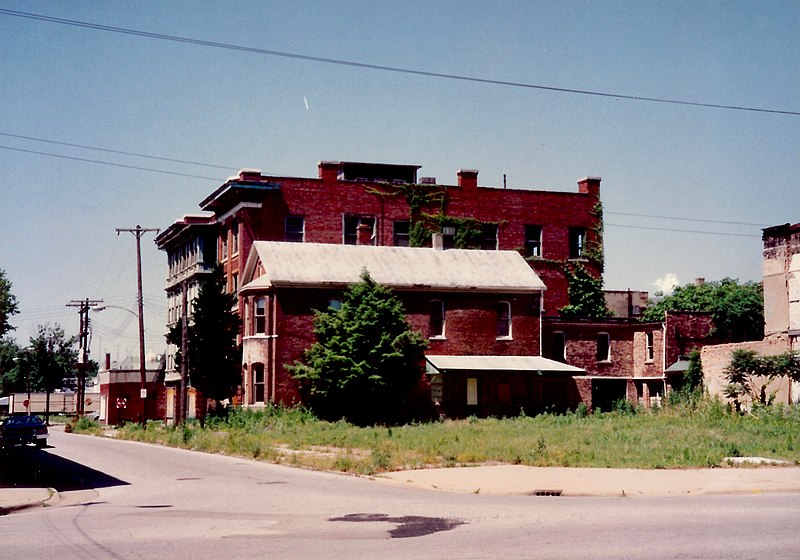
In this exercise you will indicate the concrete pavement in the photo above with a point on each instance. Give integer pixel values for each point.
(559, 481)
(541, 481)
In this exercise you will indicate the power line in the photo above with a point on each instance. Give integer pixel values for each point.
(100, 162)
(116, 151)
(705, 221)
(650, 228)
(396, 69)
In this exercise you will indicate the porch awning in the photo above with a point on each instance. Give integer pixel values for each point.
(443, 364)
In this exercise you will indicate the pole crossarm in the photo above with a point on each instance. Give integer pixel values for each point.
(83, 306)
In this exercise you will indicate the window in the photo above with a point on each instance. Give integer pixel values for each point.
(577, 242)
(649, 352)
(335, 304)
(436, 328)
(472, 391)
(350, 228)
(261, 316)
(294, 229)
(603, 347)
(489, 237)
(258, 383)
(558, 347)
(224, 249)
(400, 233)
(235, 283)
(235, 242)
(503, 320)
(533, 241)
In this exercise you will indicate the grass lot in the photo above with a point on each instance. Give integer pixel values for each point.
(700, 435)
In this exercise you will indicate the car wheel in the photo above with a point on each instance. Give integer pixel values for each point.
(41, 443)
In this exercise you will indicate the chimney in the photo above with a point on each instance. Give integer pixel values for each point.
(249, 174)
(590, 185)
(468, 179)
(437, 241)
(108, 361)
(328, 170)
(699, 281)
(364, 234)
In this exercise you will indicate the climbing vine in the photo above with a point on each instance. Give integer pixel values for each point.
(593, 251)
(586, 297)
(427, 206)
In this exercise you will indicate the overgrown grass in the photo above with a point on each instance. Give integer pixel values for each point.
(692, 434)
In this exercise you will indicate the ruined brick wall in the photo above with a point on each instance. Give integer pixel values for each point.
(685, 332)
(715, 359)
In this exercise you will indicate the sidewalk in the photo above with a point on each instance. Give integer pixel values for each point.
(557, 481)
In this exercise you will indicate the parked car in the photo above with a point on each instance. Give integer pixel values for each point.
(23, 430)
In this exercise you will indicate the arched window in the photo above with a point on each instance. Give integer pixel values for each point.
(503, 319)
(436, 327)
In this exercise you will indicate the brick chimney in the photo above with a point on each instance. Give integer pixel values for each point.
(250, 175)
(437, 241)
(328, 170)
(468, 179)
(108, 361)
(364, 234)
(590, 185)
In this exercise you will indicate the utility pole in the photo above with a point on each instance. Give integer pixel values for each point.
(138, 232)
(83, 338)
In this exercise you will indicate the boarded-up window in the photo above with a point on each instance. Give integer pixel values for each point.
(472, 391)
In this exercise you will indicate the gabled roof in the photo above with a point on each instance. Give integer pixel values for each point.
(444, 364)
(400, 268)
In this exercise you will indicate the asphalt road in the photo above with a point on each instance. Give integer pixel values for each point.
(128, 500)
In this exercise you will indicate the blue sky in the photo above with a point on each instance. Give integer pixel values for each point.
(237, 109)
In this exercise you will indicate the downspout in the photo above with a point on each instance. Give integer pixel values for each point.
(664, 355)
(272, 345)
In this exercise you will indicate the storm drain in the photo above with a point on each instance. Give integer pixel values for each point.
(543, 492)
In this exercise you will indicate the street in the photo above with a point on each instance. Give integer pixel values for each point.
(129, 500)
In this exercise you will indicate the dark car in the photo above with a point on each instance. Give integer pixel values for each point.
(23, 430)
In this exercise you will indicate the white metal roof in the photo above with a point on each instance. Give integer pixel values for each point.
(499, 363)
(318, 264)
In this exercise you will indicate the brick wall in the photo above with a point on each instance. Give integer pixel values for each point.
(322, 203)
(470, 329)
(716, 358)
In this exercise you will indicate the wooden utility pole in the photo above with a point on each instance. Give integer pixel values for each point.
(83, 337)
(138, 232)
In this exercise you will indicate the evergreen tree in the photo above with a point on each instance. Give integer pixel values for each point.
(215, 358)
(366, 362)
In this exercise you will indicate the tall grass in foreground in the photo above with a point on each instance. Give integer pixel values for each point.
(697, 434)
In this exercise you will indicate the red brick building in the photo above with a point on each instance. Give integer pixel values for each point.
(475, 305)
(399, 209)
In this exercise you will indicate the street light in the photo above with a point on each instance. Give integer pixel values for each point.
(142, 370)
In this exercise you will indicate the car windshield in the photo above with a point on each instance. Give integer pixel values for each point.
(20, 420)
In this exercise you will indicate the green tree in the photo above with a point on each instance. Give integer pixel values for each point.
(737, 309)
(215, 358)
(8, 304)
(12, 378)
(366, 363)
(749, 375)
(50, 358)
(586, 297)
